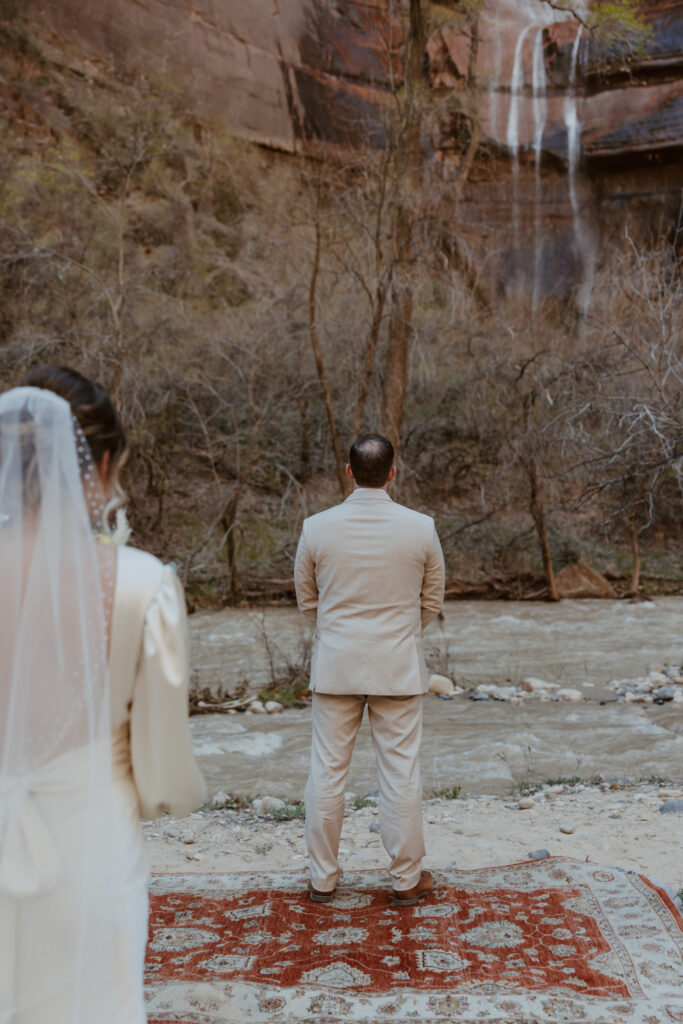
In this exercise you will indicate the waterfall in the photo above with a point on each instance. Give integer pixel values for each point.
(540, 85)
(583, 232)
(571, 120)
(534, 96)
(516, 87)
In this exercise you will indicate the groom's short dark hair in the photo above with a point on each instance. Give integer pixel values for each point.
(371, 458)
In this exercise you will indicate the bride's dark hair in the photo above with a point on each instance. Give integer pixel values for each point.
(91, 406)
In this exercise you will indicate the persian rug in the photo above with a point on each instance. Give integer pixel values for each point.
(554, 941)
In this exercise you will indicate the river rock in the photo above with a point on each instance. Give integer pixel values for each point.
(533, 685)
(672, 807)
(567, 693)
(441, 685)
(497, 692)
(526, 803)
(274, 707)
(374, 827)
(539, 854)
(257, 707)
(567, 829)
(267, 804)
(664, 693)
(579, 580)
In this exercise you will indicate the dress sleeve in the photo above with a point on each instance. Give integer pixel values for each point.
(166, 775)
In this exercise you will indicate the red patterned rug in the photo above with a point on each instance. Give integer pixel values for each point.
(547, 942)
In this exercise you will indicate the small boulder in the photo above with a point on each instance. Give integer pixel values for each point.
(526, 803)
(539, 854)
(533, 685)
(567, 693)
(440, 685)
(257, 707)
(374, 827)
(579, 580)
(274, 707)
(269, 803)
(567, 829)
(672, 807)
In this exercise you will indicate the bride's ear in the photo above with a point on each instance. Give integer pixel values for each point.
(103, 467)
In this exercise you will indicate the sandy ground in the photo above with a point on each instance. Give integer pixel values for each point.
(620, 826)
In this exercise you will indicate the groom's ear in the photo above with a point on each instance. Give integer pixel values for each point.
(347, 469)
(392, 474)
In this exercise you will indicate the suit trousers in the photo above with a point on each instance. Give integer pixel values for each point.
(396, 728)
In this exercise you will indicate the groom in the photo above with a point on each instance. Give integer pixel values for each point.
(370, 574)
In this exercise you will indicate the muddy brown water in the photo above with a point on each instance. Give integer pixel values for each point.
(484, 747)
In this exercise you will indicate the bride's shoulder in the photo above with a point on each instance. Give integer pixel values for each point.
(140, 568)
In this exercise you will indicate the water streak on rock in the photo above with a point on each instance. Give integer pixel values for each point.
(540, 87)
(516, 87)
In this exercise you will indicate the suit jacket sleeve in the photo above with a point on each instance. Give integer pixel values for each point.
(433, 582)
(304, 579)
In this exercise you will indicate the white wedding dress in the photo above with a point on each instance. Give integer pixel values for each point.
(153, 770)
(84, 752)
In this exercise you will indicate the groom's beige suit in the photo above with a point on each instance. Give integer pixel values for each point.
(370, 573)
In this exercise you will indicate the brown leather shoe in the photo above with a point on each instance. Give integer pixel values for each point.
(409, 897)
(318, 896)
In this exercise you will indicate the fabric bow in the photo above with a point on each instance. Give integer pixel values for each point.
(29, 860)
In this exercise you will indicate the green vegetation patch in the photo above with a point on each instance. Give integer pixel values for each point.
(447, 792)
(288, 813)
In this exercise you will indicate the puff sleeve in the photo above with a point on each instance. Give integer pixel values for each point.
(166, 775)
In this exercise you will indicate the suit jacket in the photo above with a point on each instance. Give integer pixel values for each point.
(371, 574)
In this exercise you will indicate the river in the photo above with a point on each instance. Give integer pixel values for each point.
(484, 747)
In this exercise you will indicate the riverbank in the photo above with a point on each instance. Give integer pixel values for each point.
(609, 823)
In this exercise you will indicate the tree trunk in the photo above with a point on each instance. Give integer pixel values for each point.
(320, 366)
(369, 362)
(408, 164)
(634, 590)
(396, 363)
(538, 515)
(229, 524)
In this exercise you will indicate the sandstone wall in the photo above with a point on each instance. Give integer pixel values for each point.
(291, 73)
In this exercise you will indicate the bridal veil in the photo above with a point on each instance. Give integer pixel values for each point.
(63, 864)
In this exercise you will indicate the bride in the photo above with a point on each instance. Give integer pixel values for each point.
(93, 712)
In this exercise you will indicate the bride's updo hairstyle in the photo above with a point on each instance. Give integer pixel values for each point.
(92, 408)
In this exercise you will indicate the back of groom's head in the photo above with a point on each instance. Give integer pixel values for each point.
(371, 458)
